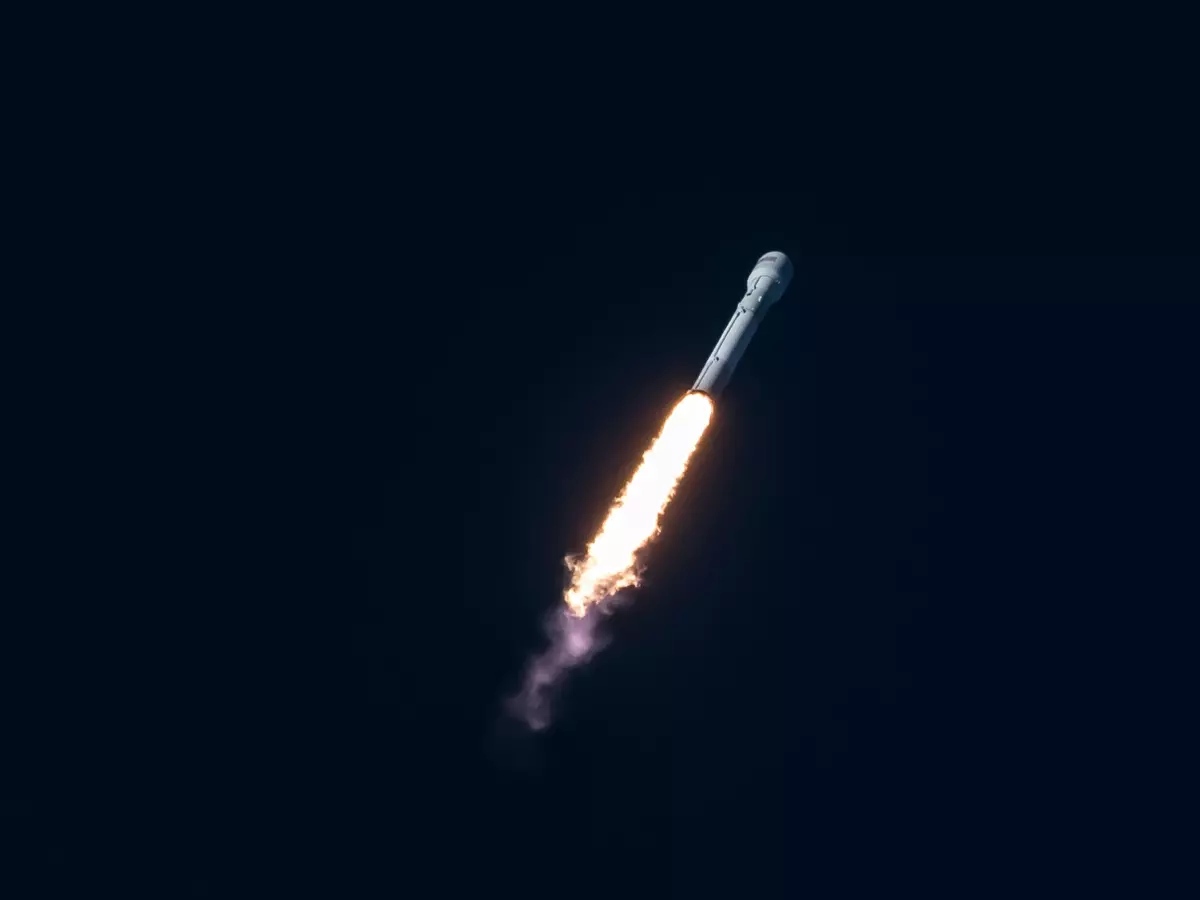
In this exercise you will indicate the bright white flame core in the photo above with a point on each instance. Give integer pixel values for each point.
(610, 562)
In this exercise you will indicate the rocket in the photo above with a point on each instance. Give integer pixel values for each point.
(768, 280)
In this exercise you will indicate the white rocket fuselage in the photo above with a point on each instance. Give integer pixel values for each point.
(767, 282)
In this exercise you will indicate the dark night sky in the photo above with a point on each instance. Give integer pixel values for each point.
(896, 633)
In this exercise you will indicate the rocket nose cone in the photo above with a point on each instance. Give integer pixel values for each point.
(774, 265)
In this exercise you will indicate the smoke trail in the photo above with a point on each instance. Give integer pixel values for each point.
(573, 641)
(610, 564)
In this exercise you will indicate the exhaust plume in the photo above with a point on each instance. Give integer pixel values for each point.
(610, 564)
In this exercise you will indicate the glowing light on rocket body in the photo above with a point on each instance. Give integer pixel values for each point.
(610, 563)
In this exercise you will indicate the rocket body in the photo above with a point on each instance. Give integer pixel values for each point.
(766, 284)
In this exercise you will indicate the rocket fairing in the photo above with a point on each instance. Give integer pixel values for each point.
(768, 280)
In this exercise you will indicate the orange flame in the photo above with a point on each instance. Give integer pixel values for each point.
(610, 563)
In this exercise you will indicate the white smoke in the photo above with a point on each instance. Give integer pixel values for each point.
(573, 641)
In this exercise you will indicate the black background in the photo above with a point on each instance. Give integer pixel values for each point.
(362, 368)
